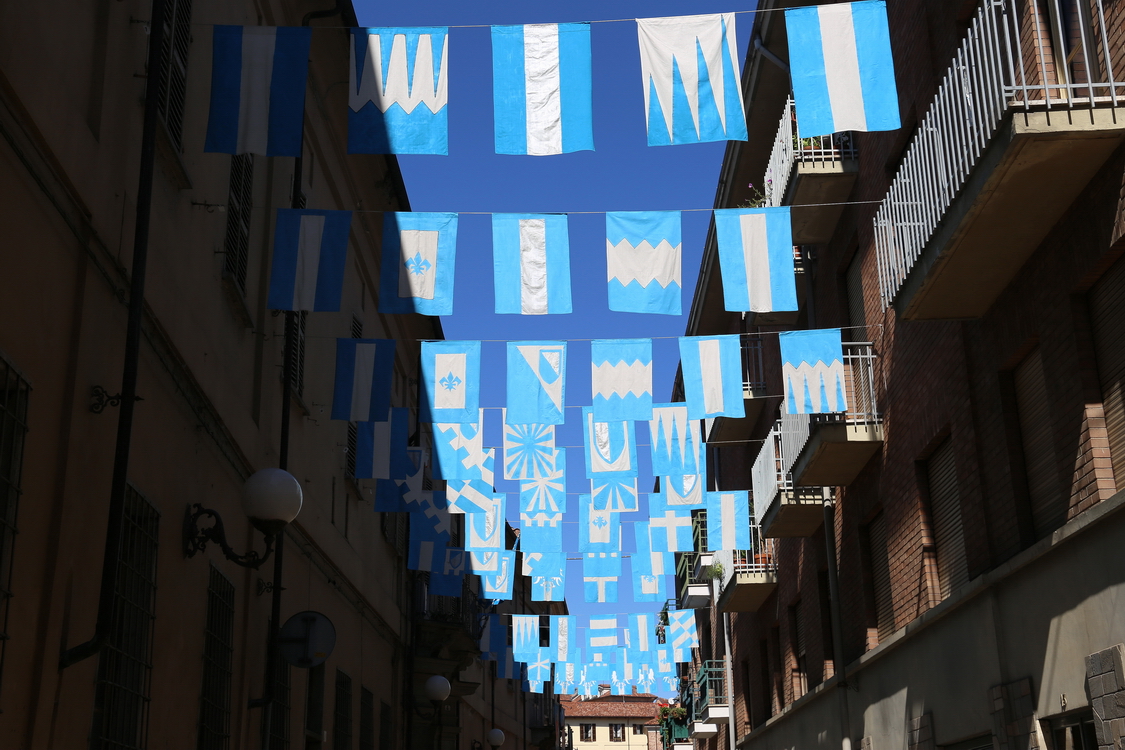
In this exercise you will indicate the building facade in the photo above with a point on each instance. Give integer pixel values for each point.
(612, 722)
(934, 566)
(185, 654)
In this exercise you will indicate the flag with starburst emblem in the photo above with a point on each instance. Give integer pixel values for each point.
(614, 493)
(419, 251)
(451, 382)
(528, 450)
(546, 494)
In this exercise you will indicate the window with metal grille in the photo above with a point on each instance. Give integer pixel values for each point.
(218, 650)
(386, 727)
(357, 327)
(240, 200)
(1048, 504)
(172, 80)
(314, 708)
(121, 694)
(945, 512)
(279, 714)
(366, 719)
(298, 352)
(353, 447)
(342, 713)
(14, 392)
(856, 313)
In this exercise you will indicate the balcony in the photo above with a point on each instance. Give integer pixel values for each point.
(749, 576)
(753, 393)
(1028, 111)
(831, 449)
(675, 734)
(700, 728)
(692, 575)
(783, 509)
(807, 174)
(711, 702)
(447, 637)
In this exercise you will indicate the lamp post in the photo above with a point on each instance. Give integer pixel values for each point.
(437, 690)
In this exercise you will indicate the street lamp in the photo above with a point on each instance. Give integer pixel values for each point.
(271, 498)
(437, 690)
(495, 738)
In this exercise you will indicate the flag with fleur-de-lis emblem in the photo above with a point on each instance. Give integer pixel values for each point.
(451, 382)
(598, 530)
(419, 251)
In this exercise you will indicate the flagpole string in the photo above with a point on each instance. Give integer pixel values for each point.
(567, 213)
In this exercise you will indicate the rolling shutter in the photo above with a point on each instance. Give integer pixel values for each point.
(881, 576)
(1107, 311)
(945, 512)
(1048, 509)
(856, 314)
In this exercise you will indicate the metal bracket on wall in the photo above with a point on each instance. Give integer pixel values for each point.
(100, 398)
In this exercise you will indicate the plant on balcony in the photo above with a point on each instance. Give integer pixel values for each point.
(673, 713)
(759, 198)
(713, 572)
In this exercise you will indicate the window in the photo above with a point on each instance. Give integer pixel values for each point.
(588, 732)
(14, 391)
(172, 81)
(945, 512)
(366, 719)
(314, 708)
(616, 732)
(767, 679)
(124, 667)
(353, 448)
(856, 313)
(386, 727)
(638, 729)
(1075, 732)
(240, 200)
(1048, 506)
(342, 715)
(218, 649)
(800, 682)
(300, 319)
(881, 602)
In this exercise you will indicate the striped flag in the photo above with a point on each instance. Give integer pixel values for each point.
(531, 262)
(756, 259)
(362, 391)
(310, 248)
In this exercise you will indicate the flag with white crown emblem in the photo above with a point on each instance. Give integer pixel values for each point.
(451, 382)
(675, 440)
(536, 377)
(419, 255)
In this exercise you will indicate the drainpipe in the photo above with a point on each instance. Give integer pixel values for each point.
(112, 552)
(731, 724)
(769, 55)
(837, 629)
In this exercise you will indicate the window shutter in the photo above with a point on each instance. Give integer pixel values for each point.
(856, 314)
(240, 200)
(1048, 511)
(945, 512)
(1107, 311)
(881, 576)
(172, 82)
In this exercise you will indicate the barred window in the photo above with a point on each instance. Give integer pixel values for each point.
(297, 355)
(353, 447)
(218, 650)
(172, 80)
(342, 715)
(14, 392)
(240, 200)
(366, 719)
(125, 665)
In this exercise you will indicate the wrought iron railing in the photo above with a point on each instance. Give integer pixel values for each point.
(863, 408)
(789, 150)
(1026, 56)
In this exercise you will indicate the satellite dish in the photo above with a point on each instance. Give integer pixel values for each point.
(306, 639)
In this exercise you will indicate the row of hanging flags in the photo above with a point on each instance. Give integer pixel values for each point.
(621, 395)
(839, 55)
(622, 650)
(531, 261)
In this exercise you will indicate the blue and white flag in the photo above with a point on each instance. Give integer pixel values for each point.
(456, 562)
(621, 379)
(529, 450)
(712, 373)
(641, 635)
(539, 668)
(459, 451)
(545, 497)
(432, 514)
(547, 571)
(471, 495)
(531, 262)
(679, 493)
(671, 531)
(399, 91)
(380, 450)
(451, 382)
(728, 521)
(525, 636)
(541, 532)
(443, 584)
(682, 635)
(542, 89)
(756, 259)
(598, 530)
(364, 368)
(812, 366)
(258, 77)
(643, 261)
(411, 484)
(693, 90)
(493, 638)
(614, 493)
(842, 68)
(601, 572)
(498, 585)
(507, 668)
(601, 633)
(676, 441)
(611, 447)
(426, 554)
(485, 531)
(619, 680)
(564, 638)
(566, 678)
(536, 377)
(665, 666)
(310, 250)
(649, 568)
(484, 561)
(646, 677)
(419, 255)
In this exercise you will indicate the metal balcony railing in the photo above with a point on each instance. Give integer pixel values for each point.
(710, 687)
(859, 388)
(1032, 55)
(789, 150)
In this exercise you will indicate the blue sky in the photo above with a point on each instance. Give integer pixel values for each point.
(624, 173)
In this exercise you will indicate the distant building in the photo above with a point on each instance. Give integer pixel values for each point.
(613, 722)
